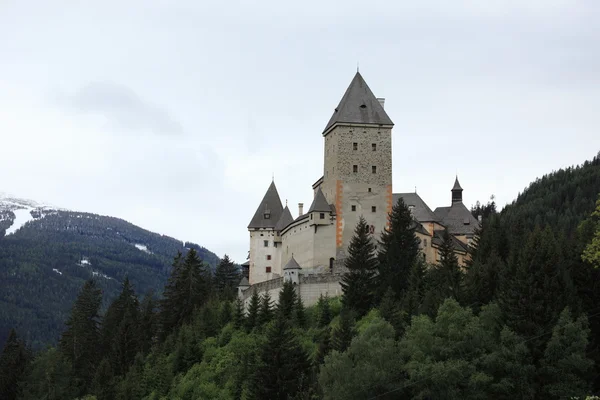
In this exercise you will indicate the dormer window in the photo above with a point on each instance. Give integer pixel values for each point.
(466, 221)
(267, 214)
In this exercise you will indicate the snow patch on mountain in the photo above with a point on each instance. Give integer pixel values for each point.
(24, 211)
(22, 216)
(57, 271)
(142, 247)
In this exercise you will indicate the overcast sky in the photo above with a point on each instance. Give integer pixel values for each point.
(174, 115)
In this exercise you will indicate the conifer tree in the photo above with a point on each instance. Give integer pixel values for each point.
(359, 283)
(284, 367)
(265, 313)
(253, 310)
(324, 347)
(398, 250)
(51, 378)
(300, 313)
(14, 361)
(565, 367)
(227, 278)
(148, 322)
(324, 311)
(481, 280)
(103, 383)
(168, 315)
(343, 333)
(238, 314)
(287, 301)
(535, 289)
(80, 343)
(389, 309)
(591, 253)
(449, 269)
(412, 302)
(225, 313)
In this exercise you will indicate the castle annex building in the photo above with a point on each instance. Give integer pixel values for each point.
(356, 181)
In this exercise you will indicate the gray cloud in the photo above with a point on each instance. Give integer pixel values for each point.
(123, 108)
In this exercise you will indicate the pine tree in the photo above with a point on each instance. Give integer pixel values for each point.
(535, 289)
(591, 253)
(359, 283)
(300, 314)
(398, 250)
(265, 314)
(481, 281)
(323, 311)
(324, 347)
(148, 322)
(80, 343)
(225, 313)
(103, 383)
(14, 361)
(188, 289)
(227, 278)
(344, 332)
(389, 309)
(253, 309)
(121, 332)
(287, 301)
(565, 367)
(238, 314)
(412, 303)
(449, 268)
(284, 367)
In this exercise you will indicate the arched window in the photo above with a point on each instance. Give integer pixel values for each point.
(331, 263)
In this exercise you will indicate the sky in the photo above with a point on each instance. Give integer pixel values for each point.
(176, 115)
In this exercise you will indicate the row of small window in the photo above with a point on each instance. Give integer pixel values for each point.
(373, 169)
(373, 208)
(373, 146)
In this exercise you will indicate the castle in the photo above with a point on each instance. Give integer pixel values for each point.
(356, 181)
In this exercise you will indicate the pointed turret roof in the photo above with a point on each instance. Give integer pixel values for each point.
(269, 210)
(244, 282)
(359, 106)
(456, 185)
(319, 203)
(292, 264)
(285, 220)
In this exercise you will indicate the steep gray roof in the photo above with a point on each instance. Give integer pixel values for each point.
(421, 210)
(244, 282)
(319, 203)
(438, 239)
(359, 106)
(285, 220)
(458, 219)
(456, 185)
(271, 203)
(292, 264)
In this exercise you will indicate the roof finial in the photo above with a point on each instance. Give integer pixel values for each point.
(357, 69)
(273, 176)
(415, 189)
(286, 202)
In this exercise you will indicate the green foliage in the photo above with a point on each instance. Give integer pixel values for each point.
(370, 367)
(227, 278)
(591, 253)
(238, 314)
(265, 314)
(398, 250)
(50, 378)
(253, 310)
(14, 361)
(80, 343)
(344, 331)
(287, 301)
(300, 314)
(103, 385)
(565, 366)
(324, 311)
(359, 283)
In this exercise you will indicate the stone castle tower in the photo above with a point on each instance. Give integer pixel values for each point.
(357, 173)
(356, 181)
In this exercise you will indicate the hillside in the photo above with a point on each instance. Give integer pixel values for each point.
(47, 253)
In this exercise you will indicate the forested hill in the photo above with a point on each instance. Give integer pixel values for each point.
(46, 254)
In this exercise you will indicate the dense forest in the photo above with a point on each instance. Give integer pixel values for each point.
(521, 320)
(44, 264)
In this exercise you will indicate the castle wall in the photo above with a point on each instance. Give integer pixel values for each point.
(298, 240)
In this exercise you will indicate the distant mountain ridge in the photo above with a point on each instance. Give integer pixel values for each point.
(46, 253)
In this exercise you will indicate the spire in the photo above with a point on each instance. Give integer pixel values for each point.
(292, 264)
(285, 219)
(456, 191)
(269, 210)
(359, 106)
(319, 203)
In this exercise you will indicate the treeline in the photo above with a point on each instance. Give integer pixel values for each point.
(520, 321)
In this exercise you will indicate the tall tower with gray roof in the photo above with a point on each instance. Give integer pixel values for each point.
(357, 175)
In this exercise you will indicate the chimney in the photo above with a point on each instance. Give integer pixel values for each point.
(300, 209)
(381, 101)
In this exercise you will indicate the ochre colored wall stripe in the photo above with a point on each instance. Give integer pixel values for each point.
(338, 209)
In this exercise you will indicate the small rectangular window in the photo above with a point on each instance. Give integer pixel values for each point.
(374, 209)
(353, 208)
(369, 190)
(266, 243)
(374, 169)
(374, 146)
(322, 215)
(355, 168)
(268, 269)
(354, 146)
(268, 256)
